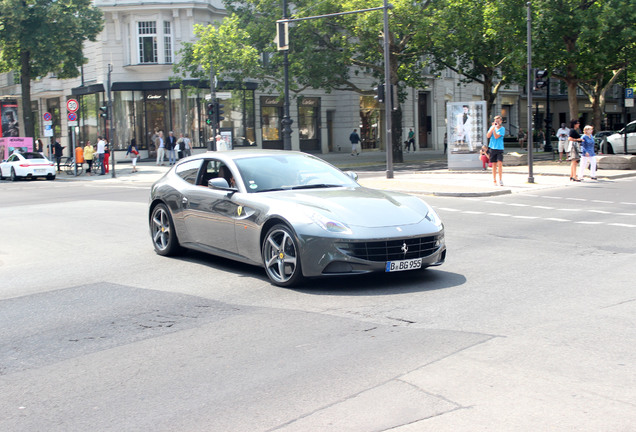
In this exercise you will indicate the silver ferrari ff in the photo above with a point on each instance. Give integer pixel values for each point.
(291, 213)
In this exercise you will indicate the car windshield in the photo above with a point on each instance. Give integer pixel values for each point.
(287, 172)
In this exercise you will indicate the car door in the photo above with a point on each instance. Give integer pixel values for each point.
(630, 130)
(210, 214)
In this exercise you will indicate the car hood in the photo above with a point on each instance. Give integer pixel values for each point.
(357, 206)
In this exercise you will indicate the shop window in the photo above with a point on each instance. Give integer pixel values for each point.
(270, 120)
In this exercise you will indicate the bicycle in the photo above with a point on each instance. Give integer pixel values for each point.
(68, 166)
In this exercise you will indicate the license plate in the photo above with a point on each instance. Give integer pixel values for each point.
(39, 171)
(410, 264)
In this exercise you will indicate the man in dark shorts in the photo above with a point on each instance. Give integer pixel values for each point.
(496, 148)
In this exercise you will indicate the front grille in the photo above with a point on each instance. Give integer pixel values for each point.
(392, 250)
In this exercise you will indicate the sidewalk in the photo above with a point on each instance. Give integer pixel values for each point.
(422, 173)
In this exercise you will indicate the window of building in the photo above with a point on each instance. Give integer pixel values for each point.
(167, 42)
(147, 31)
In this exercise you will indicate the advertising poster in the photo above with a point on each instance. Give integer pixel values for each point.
(226, 137)
(9, 145)
(466, 133)
(9, 112)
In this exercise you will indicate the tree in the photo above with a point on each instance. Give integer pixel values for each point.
(326, 53)
(484, 41)
(38, 37)
(587, 44)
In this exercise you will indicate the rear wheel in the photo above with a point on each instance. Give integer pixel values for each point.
(50, 176)
(281, 256)
(164, 237)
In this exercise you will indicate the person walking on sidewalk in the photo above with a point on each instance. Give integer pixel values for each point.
(496, 148)
(161, 148)
(355, 139)
(58, 152)
(563, 133)
(89, 151)
(101, 148)
(106, 158)
(134, 154)
(587, 153)
(171, 143)
(410, 140)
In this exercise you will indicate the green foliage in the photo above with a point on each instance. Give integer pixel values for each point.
(50, 32)
(586, 44)
(484, 41)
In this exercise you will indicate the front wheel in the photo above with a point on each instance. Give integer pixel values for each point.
(162, 230)
(281, 256)
(14, 176)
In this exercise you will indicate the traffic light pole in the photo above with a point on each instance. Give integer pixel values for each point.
(529, 87)
(213, 101)
(111, 132)
(287, 121)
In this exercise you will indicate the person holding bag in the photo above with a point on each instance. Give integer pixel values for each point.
(134, 154)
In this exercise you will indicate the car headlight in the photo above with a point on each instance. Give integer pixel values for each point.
(433, 217)
(329, 224)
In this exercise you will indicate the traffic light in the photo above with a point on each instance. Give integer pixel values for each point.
(282, 35)
(103, 111)
(379, 93)
(541, 79)
(211, 112)
(217, 112)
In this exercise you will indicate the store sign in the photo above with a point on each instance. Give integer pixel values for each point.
(271, 101)
(312, 102)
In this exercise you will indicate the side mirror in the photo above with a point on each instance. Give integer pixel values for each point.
(220, 183)
(352, 174)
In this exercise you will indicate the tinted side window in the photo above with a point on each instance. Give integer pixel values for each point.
(189, 171)
(630, 128)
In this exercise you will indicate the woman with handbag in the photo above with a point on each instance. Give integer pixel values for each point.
(574, 149)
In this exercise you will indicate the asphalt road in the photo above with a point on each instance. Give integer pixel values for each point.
(529, 325)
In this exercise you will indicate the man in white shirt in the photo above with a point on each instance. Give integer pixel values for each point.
(161, 148)
(563, 133)
(101, 147)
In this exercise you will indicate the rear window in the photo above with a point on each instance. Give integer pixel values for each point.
(189, 170)
(32, 155)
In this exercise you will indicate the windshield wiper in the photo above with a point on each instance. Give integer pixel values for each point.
(316, 186)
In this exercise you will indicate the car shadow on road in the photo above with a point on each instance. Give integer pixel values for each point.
(432, 278)
(383, 283)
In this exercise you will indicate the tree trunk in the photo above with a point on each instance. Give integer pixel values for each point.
(396, 133)
(573, 101)
(25, 84)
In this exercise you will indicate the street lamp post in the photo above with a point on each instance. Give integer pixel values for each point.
(388, 102)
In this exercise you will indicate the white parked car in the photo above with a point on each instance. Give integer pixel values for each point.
(618, 139)
(27, 165)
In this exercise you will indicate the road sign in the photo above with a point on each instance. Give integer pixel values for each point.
(72, 105)
(629, 93)
(72, 119)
